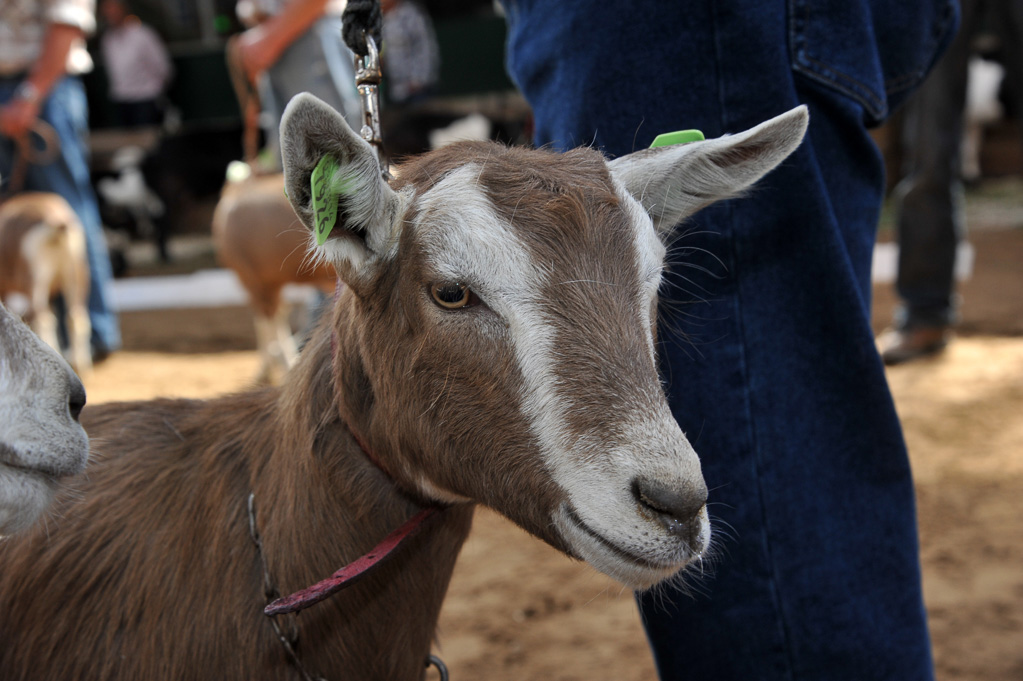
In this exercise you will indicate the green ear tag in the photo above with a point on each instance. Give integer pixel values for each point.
(677, 137)
(324, 198)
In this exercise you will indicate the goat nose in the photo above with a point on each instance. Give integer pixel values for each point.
(675, 507)
(76, 397)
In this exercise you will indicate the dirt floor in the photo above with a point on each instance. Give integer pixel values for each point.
(519, 610)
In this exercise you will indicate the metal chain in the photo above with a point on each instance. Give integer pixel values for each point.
(434, 661)
(288, 641)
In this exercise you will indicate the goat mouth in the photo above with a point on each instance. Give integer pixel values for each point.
(619, 552)
(9, 460)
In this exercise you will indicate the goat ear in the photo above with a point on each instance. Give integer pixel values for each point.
(365, 222)
(674, 182)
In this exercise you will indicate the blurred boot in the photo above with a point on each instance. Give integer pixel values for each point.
(903, 345)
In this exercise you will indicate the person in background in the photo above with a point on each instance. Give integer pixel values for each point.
(410, 60)
(295, 46)
(931, 218)
(411, 56)
(137, 65)
(42, 54)
(765, 334)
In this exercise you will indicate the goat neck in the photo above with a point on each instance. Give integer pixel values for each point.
(323, 503)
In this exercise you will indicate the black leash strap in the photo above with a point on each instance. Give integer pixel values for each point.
(361, 18)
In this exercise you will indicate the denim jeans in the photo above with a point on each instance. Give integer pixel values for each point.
(66, 109)
(765, 337)
(317, 62)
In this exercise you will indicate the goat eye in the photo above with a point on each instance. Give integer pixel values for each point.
(452, 295)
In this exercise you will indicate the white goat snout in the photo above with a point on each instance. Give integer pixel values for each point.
(41, 440)
(637, 511)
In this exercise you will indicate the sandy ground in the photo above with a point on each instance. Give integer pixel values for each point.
(519, 610)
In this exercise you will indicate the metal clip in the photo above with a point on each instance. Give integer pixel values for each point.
(367, 80)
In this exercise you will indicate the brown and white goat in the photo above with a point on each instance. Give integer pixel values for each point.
(494, 344)
(42, 253)
(41, 441)
(256, 234)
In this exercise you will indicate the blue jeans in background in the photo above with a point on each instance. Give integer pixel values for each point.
(931, 217)
(765, 334)
(66, 109)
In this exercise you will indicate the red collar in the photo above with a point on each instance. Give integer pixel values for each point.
(354, 571)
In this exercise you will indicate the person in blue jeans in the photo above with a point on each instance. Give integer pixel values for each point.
(42, 54)
(765, 336)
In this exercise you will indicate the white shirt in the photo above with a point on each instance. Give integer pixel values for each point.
(23, 25)
(136, 61)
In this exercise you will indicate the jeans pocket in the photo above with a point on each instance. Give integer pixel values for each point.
(874, 51)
